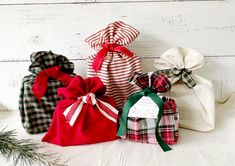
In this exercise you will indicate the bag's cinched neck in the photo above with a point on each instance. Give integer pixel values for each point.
(178, 63)
(158, 82)
(182, 74)
(41, 81)
(73, 111)
(109, 47)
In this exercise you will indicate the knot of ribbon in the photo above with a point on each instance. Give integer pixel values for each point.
(183, 74)
(72, 112)
(40, 84)
(89, 99)
(109, 47)
(131, 101)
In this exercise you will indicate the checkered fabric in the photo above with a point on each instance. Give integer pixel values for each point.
(183, 74)
(143, 129)
(45, 59)
(36, 114)
(158, 82)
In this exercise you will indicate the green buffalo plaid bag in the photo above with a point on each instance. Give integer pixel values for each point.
(38, 94)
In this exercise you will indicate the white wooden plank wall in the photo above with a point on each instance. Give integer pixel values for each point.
(62, 25)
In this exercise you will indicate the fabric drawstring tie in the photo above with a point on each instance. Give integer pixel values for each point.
(184, 74)
(108, 48)
(40, 84)
(72, 112)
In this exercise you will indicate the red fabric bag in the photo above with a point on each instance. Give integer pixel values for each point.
(85, 116)
(114, 64)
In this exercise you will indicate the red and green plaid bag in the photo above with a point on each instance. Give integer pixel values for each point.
(164, 129)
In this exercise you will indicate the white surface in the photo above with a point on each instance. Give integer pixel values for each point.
(215, 148)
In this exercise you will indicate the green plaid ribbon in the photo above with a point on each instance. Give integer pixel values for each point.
(131, 101)
(183, 74)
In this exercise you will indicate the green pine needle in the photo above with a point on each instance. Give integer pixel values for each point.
(23, 151)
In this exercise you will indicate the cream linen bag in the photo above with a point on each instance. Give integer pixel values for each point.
(194, 95)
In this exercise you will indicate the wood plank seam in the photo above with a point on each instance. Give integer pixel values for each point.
(95, 1)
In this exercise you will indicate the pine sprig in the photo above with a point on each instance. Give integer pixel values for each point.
(24, 152)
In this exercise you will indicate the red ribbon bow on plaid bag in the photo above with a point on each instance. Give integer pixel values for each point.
(40, 84)
(109, 48)
(87, 92)
(157, 82)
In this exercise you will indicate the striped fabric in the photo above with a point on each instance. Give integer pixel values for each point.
(117, 32)
(116, 68)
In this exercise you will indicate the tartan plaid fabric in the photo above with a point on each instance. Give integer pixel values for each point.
(158, 82)
(36, 115)
(143, 129)
(183, 74)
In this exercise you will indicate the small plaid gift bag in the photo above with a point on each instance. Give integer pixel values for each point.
(114, 63)
(38, 94)
(84, 116)
(143, 124)
(193, 93)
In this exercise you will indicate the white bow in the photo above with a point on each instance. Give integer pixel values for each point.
(108, 110)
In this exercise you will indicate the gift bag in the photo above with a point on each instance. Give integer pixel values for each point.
(114, 63)
(85, 116)
(38, 94)
(148, 117)
(194, 94)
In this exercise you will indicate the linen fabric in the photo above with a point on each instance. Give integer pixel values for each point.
(194, 94)
(38, 93)
(95, 116)
(113, 63)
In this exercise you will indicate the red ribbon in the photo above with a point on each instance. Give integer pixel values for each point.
(41, 82)
(108, 48)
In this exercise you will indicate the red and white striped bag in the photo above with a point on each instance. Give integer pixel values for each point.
(113, 63)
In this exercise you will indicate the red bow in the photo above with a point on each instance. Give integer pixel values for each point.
(108, 48)
(40, 84)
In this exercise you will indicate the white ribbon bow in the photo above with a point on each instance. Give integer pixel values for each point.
(72, 112)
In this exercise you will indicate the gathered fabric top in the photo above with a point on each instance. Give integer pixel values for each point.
(180, 58)
(81, 87)
(46, 59)
(117, 32)
(178, 64)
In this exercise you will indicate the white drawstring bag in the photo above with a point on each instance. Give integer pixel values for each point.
(194, 95)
